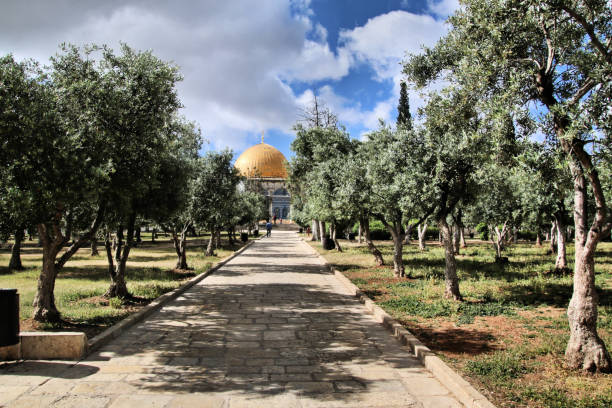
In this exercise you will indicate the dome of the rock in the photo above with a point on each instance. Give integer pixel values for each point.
(262, 160)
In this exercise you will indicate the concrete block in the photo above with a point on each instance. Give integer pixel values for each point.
(53, 345)
(10, 353)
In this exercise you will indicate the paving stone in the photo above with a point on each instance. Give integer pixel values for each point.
(272, 328)
(79, 401)
(197, 401)
(33, 401)
(140, 401)
(10, 392)
(424, 386)
(310, 387)
(440, 402)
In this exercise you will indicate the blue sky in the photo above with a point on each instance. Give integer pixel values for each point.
(250, 66)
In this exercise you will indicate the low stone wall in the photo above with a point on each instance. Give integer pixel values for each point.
(47, 346)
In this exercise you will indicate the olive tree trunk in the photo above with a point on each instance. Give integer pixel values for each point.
(421, 231)
(456, 239)
(94, 247)
(498, 239)
(315, 230)
(322, 230)
(180, 246)
(462, 237)
(209, 247)
(53, 240)
(561, 262)
(396, 234)
(118, 287)
(364, 222)
(585, 348)
(409, 227)
(333, 232)
(450, 269)
(553, 238)
(15, 261)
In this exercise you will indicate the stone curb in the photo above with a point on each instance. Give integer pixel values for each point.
(116, 330)
(468, 395)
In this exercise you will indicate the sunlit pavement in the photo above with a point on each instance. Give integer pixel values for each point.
(271, 328)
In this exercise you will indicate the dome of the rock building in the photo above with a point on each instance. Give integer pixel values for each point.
(262, 160)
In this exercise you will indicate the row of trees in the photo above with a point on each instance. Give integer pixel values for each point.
(94, 146)
(514, 69)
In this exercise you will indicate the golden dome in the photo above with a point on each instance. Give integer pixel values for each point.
(262, 160)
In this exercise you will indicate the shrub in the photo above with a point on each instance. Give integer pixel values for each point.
(377, 230)
(483, 231)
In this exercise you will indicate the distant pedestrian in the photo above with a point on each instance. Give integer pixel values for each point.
(274, 218)
(268, 228)
(281, 220)
(308, 231)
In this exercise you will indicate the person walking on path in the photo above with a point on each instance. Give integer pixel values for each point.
(274, 218)
(268, 228)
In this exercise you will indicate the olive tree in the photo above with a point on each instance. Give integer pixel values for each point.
(213, 191)
(555, 54)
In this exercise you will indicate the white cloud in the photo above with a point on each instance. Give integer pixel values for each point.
(443, 8)
(383, 41)
(237, 58)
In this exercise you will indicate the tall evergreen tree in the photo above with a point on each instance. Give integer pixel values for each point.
(403, 108)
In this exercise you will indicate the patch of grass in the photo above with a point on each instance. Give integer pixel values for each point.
(499, 367)
(557, 398)
(416, 307)
(82, 282)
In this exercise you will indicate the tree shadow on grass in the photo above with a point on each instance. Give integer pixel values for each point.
(456, 340)
(554, 294)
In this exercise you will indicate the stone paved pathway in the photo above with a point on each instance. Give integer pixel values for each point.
(271, 328)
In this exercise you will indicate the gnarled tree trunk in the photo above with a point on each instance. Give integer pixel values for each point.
(315, 230)
(118, 287)
(450, 270)
(422, 230)
(94, 247)
(209, 247)
(553, 238)
(396, 233)
(53, 241)
(538, 239)
(462, 237)
(15, 261)
(333, 231)
(408, 230)
(456, 239)
(585, 348)
(322, 230)
(561, 262)
(44, 302)
(365, 226)
(180, 246)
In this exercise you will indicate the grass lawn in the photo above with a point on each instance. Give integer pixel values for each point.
(82, 282)
(508, 338)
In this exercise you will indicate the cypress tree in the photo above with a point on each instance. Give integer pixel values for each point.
(403, 108)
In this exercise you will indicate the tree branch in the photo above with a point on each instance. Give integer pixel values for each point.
(583, 90)
(84, 239)
(603, 50)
